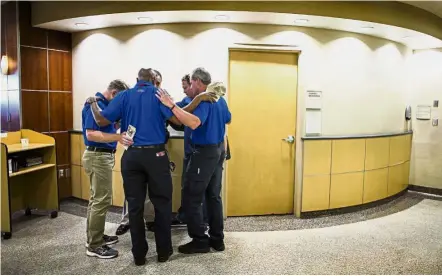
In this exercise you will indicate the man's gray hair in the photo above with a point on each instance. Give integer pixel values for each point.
(118, 85)
(202, 74)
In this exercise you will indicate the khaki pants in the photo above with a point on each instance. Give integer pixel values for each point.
(98, 167)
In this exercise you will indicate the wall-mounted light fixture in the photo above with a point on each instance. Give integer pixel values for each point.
(81, 24)
(301, 20)
(145, 19)
(222, 17)
(4, 65)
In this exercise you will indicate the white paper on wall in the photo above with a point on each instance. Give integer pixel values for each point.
(313, 122)
(313, 99)
(423, 112)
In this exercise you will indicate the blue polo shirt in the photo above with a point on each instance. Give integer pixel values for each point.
(188, 149)
(140, 108)
(88, 122)
(213, 117)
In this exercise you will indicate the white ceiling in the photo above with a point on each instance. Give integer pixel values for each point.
(411, 38)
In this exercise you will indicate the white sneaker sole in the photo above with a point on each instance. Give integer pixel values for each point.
(111, 242)
(108, 243)
(92, 254)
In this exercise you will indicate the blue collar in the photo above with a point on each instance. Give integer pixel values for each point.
(98, 94)
(143, 83)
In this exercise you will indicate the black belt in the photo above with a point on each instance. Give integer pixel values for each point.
(89, 148)
(208, 146)
(161, 146)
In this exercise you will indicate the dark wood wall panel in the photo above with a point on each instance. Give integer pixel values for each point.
(9, 18)
(59, 40)
(36, 110)
(60, 111)
(3, 31)
(62, 143)
(14, 110)
(4, 110)
(60, 71)
(29, 35)
(10, 98)
(46, 67)
(10, 110)
(64, 182)
(34, 75)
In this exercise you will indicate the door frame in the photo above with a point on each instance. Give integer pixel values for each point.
(297, 181)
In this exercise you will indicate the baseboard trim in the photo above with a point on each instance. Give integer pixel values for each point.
(427, 190)
(351, 209)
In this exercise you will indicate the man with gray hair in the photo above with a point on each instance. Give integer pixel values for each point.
(204, 171)
(98, 160)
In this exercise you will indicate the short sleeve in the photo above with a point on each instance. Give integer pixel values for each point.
(228, 115)
(202, 111)
(165, 111)
(181, 104)
(114, 111)
(89, 122)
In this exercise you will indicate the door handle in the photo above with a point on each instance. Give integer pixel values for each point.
(290, 139)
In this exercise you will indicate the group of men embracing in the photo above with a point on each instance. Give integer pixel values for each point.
(142, 114)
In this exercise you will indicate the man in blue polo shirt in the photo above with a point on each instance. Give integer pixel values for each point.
(204, 171)
(185, 83)
(189, 103)
(145, 165)
(98, 161)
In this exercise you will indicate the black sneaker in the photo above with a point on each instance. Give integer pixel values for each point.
(218, 245)
(177, 222)
(150, 226)
(194, 247)
(139, 262)
(122, 229)
(108, 240)
(102, 252)
(164, 257)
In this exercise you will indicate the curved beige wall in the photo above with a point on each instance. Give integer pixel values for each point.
(362, 77)
(385, 12)
(426, 84)
(347, 172)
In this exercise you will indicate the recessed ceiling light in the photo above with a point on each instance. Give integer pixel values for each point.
(81, 24)
(222, 17)
(367, 27)
(145, 19)
(301, 20)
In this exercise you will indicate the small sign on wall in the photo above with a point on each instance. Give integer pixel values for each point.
(313, 122)
(313, 113)
(313, 100)
(423, 112)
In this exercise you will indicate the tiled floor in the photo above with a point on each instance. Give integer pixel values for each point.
(405, 238)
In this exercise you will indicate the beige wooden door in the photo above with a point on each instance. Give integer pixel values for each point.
(262, 99)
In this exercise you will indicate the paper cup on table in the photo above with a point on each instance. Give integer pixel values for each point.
(24, 142)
